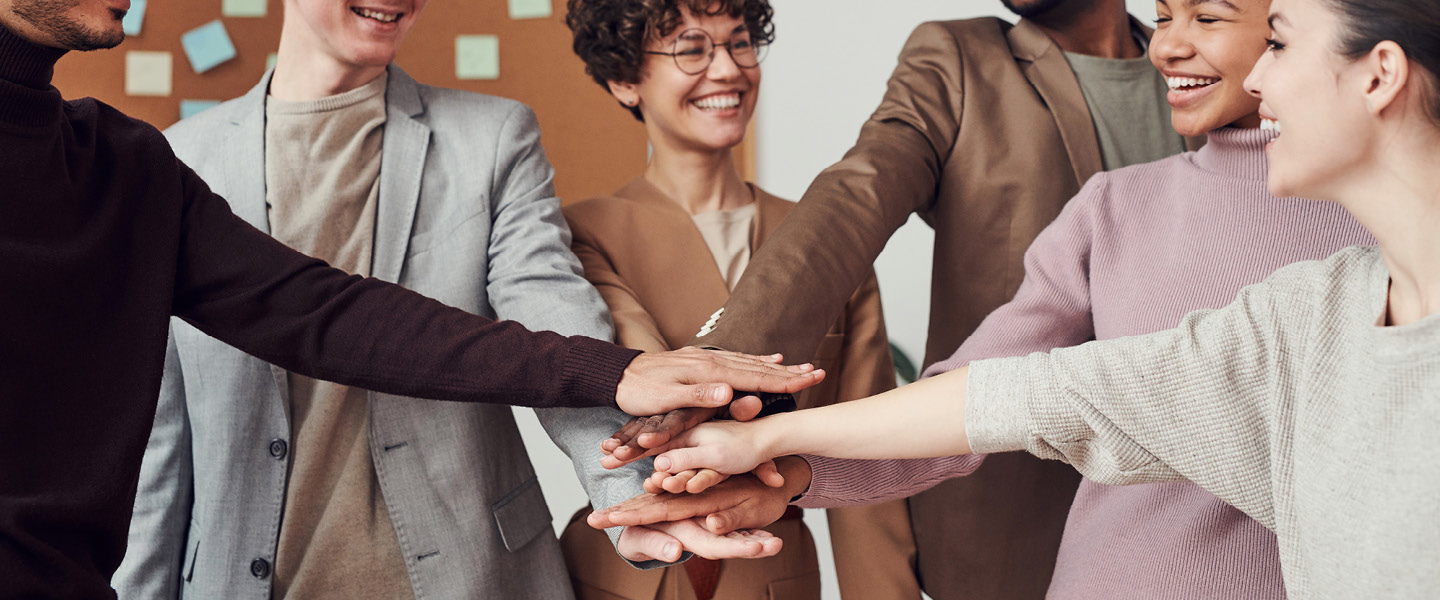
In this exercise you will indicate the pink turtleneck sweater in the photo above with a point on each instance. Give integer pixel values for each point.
(1135, 251)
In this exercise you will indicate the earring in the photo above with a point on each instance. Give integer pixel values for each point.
(631, 103)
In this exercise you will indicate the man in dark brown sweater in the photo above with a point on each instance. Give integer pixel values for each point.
(104, 235)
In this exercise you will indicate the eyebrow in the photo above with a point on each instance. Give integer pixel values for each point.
(1277, 18)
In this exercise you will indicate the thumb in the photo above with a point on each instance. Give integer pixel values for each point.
(680, 459)
(723, 522)
(643, 543)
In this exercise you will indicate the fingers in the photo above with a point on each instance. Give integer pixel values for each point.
(675, 484)
(642, 543)
(769, 380)
(625, 435)
(704, 479)
(737, 544)
(769, 474)
(657, 433)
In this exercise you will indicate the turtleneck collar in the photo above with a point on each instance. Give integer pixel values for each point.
(26, 96)
(1236, 152)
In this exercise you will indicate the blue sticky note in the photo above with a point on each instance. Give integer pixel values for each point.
(477, 57)
(134, 18)
(190, 108)
(529, 9)
(207, 46)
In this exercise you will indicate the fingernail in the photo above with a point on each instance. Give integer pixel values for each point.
(662, 463)
(672, 551)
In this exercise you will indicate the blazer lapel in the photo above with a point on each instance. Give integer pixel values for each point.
(402, 166)
(1045, 66)
(699, 282)
(245, 171)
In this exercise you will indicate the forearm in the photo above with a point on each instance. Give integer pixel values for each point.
(838, 482)
(921, 420)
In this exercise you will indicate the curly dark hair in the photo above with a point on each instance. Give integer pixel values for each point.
(610, 35)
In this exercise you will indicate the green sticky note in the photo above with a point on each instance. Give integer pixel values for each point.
(243, 8)
(148, 73)
(529, 9)
(477, 57)
(270, 60)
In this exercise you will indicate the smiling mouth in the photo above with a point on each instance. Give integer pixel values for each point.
(1189, 84)
(716, 102)
(1270, 125)
(377, 15)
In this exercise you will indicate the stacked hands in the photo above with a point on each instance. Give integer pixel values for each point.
(710, 475)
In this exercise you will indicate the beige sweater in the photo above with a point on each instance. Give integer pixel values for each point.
(1291, 404)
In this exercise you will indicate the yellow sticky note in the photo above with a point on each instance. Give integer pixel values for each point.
(242, 8)
(148, 73)
(529, 9)
(477, 57)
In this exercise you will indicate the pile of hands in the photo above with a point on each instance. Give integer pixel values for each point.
(716, 481)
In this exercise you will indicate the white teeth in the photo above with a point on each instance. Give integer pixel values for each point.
(1269, 125)
(378, 16)
(718, 102)
(1185, 82)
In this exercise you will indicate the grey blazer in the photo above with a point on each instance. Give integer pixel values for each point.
(467, 215)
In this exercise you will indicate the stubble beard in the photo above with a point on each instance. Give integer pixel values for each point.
(49, 17)
(1029, 9)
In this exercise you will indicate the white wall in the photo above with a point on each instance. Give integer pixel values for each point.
(824, 76)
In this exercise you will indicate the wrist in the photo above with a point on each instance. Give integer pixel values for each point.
(797, 474)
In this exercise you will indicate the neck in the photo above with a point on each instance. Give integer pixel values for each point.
(698, 181)
(1403, 213)
(303, 72)
(1100, 28)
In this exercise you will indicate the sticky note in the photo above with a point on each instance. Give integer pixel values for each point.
(477, 57)
(190, 108)
(270, 60)
(207, 46)
(242, 8)
(147, 73)
(134, 18)
(529, 9)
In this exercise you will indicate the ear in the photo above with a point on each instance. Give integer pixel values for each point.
(1387, 76)
(627, 93)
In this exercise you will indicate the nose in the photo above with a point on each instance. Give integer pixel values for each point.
(1252, 81)
(722, 65)
(1170, 44)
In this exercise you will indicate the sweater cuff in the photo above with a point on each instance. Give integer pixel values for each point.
(824, 483)
(997, 411)
(592, 372)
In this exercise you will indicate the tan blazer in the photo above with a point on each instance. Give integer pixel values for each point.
(983, 132)
(647, 258)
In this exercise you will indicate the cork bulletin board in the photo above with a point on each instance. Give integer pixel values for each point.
(594, 144)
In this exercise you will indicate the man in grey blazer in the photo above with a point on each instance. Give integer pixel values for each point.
(262, 483)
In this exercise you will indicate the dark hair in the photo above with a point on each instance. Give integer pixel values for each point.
(610, 35)
(1413, 24)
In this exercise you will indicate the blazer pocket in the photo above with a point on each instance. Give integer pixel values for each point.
(521, 515)
(193, 550)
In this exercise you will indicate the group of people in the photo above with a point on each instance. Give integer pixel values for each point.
(1260, 307)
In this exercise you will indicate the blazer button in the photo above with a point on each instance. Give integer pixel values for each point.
(278, 448)
(260, 568)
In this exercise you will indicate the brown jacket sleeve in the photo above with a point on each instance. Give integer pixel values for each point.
(634, 327)
(796, 286)
(873, 545)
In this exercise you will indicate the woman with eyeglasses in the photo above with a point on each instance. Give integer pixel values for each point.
(666, 249)
(1311, 402)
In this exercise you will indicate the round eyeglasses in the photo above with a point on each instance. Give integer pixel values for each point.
(695, 50)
